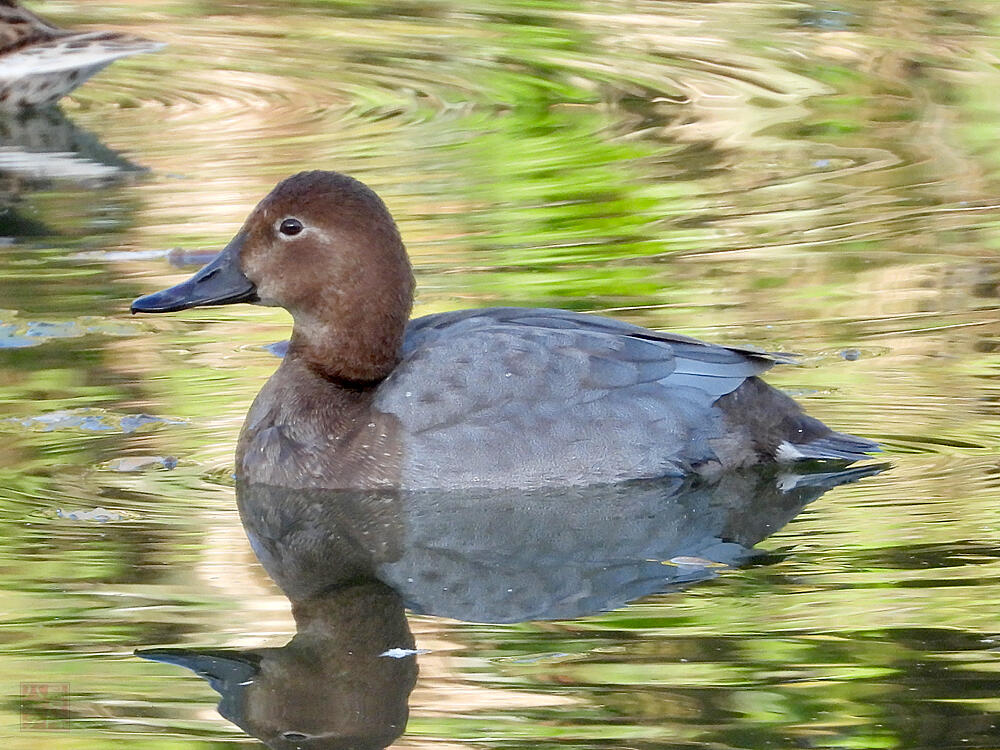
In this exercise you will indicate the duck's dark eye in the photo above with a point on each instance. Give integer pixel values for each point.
(290, 227)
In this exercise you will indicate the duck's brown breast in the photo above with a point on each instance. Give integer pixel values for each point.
(304, 430)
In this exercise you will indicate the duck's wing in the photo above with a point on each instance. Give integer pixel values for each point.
(575, 356)
(68, 51)
(430, 327)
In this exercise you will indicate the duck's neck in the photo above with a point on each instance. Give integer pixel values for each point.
(353, 331)
(356, 349)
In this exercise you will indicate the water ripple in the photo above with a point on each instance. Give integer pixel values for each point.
(90, 420)
(16, 334)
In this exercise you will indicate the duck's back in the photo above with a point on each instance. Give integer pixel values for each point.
(529, 397)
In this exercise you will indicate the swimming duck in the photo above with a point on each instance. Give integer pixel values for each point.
(496, 397)
(39, 62)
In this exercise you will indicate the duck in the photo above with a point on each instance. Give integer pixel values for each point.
(40, 63)
(501, 397)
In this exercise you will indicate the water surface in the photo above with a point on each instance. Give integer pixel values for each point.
(809, 177)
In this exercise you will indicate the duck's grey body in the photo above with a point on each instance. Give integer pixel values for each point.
(519, 397)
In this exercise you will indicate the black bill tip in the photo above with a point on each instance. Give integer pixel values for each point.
(167, 300)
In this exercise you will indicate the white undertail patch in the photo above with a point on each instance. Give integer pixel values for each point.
(788, 452)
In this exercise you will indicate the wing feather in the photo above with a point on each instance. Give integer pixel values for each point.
(485, 361)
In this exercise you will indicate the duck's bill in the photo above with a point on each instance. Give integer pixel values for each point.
(221, 282)
(232, 666)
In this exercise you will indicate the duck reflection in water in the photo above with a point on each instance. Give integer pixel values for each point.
(328, 687)
(41, 146)
(39, 149)
(352, 561)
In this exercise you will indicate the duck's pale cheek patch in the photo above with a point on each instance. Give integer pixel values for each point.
(320, 235)
(268, 291)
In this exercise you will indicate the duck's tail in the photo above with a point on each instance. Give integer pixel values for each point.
(779, 430)
(831, 446)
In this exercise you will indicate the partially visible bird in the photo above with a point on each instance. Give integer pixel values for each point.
(39, 62)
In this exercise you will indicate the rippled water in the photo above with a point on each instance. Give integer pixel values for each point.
(819, 178)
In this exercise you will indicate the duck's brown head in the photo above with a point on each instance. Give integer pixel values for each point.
(323, 246)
